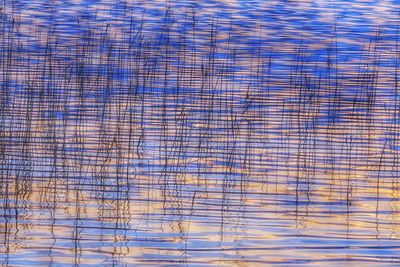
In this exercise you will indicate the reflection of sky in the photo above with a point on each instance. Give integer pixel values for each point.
(284, 24)
(266, 152)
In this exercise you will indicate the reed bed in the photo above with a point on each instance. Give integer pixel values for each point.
(126, 140)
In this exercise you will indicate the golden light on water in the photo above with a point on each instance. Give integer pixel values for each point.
(229, 133)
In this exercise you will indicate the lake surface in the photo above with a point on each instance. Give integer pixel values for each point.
(199, 133)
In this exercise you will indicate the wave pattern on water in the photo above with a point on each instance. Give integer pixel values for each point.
(232, 133)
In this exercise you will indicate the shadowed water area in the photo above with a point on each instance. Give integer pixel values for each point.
(199, 133)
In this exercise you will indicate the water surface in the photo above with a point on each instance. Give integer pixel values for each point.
(204, 133)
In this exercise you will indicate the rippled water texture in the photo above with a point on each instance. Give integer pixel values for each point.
(199, 133)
